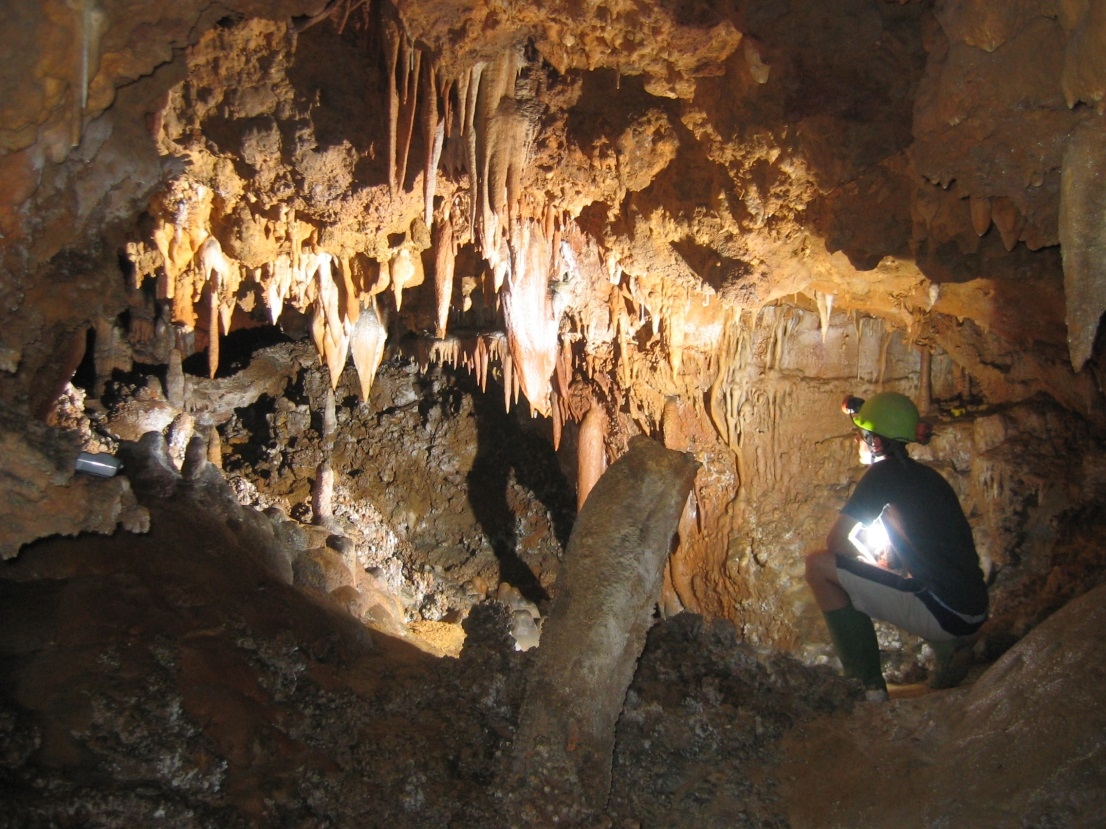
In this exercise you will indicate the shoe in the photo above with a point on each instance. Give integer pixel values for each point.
(953, 660)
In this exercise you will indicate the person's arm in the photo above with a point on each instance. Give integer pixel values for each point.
(837, 542)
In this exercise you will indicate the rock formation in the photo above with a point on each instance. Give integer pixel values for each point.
(403, 268)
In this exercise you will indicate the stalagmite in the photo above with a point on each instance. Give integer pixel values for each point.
(330, 416)
(592, 637)
(322, 493)
(367, 346)
(108, 352)
(1083, 238)
(174, 380)
(591, 457)
(214, 448)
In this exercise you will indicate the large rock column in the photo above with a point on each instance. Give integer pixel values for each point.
(593, 635)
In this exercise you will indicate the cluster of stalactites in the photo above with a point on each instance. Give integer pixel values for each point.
(480, 110)
(527, 271)
(478, 353)
(519, 238)
(195, 276)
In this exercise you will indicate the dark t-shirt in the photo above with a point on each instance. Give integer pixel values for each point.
(927, 528)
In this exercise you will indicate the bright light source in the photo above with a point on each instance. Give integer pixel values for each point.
(870, 540)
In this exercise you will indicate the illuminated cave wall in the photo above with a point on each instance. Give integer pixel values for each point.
(706, 224)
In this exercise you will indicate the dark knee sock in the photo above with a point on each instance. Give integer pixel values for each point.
(854, 639)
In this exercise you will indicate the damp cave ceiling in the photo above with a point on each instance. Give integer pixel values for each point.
(932, 164)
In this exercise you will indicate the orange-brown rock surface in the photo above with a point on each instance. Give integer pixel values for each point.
(701, 222)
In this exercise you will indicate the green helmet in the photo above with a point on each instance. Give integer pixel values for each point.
(889, 415)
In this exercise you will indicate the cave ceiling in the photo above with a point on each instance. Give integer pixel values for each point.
(677, 163)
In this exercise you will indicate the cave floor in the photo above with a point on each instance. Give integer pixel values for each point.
(172, 679)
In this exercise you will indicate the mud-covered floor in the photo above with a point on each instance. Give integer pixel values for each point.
(175, 680)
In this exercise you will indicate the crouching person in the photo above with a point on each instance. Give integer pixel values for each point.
(901, 550)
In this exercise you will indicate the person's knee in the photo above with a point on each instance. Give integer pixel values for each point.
(818, 565)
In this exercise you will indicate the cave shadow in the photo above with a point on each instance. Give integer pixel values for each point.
(505, 449)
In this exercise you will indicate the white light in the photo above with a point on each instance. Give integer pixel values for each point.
(870, 540)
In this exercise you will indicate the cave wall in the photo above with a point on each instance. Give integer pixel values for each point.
(708, 222)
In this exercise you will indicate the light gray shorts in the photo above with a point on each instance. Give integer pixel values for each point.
(901, 601)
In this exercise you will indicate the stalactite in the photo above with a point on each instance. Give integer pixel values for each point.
(351, 305)
(384, 278)
(884, 344)
(279, 282)
(445, 261)
(508, 381)
(328, 296)
(563, 369)
(445, 96)
(411, 63)
(480, 361)
(367, 341)
(318, 332)
(675, 335)
(497, 128)
(213, 333)
(925, 381)
(406, 272)
(558, 420)
(433, 138)
(90, 23)
(469, 133)
(392, 42)
(335, 330)
(1009, 221)
(532, 326)
(980, 207)
(825, 311)
(858, 322)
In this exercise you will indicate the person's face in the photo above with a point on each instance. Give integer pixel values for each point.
(863, 449)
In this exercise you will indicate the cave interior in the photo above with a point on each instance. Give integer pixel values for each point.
(418, 412)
